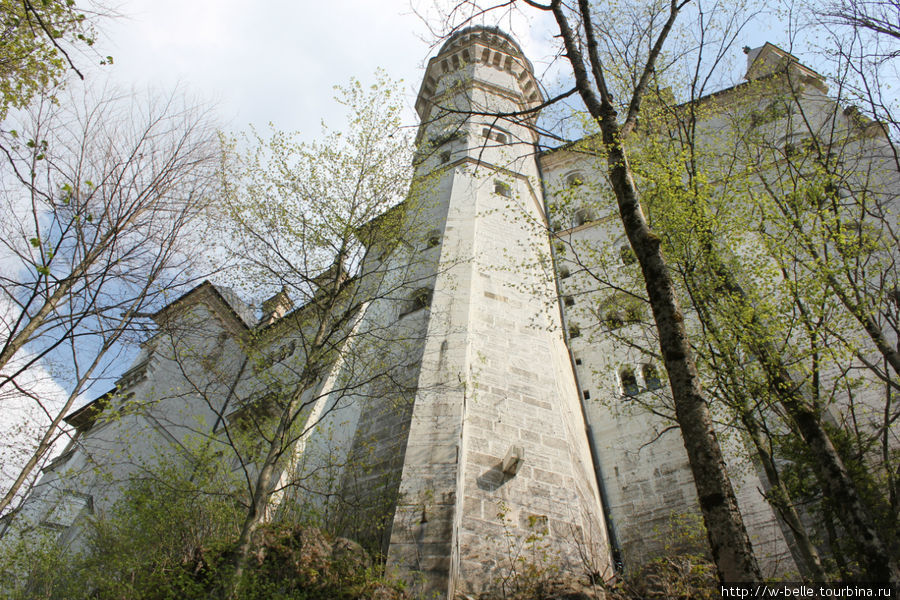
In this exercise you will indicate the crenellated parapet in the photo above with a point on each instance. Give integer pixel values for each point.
(494, 60)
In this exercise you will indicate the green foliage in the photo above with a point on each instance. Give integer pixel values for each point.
(530, 565)
(33, 34)
(295, 207)
(171, 535)
(683, 570)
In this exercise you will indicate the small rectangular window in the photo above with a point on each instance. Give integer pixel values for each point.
(577, 361)
(445, 156)
(586, 394)
(502, 188)
(569, 301)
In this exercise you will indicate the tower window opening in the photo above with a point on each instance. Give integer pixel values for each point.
(613, 319)
(445, 157)
(629, 382)
(433, 239)
(569, 301)
(574, 331)
(564, 273)
(586, 394)
(421, 299)
(502, 188)
(582, 215)
(574, 179)
(495, 133)
(418, 300)
(626, 254)
(651, 377)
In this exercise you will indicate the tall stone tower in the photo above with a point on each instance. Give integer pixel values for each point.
(497, 462)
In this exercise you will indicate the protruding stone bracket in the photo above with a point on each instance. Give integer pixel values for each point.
(514, 458)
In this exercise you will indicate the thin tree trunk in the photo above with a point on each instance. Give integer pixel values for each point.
(781, 500)
(48, 437)
(827, 464)
(260, 497)
(729, 543)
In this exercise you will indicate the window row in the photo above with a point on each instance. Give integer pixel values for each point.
(630, 385)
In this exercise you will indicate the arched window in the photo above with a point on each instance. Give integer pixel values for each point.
(574, 179)
(421, 298)
(613, 319)
(582, 215)
(629, 382)
(418, 300)
(651, 377)
(622, 309)
(433, 239)
(492, 132)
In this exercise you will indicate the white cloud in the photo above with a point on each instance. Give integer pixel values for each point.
(275, 61)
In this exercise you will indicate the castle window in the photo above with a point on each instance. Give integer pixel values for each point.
(420, 299)
(629, 382)
(582, 215)
(502, 188)
(574, 331)
(564, 273)
(67, 509)
(613, 319)
(627, 255)
(577, 361)
(493, 133)
(445, 156)
(586, 394)
(433, 239)
(447, 135)
(621, 310)
(574, 179)
(651, 377)
(569, 301)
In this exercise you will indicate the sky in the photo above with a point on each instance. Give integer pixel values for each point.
(278, 60)
(275, 61)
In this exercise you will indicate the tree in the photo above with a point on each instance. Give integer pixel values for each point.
(320, 220)
(101, 203)
(35, 46)
(596, 76)
(765, 283)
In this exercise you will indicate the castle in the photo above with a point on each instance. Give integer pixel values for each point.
(509, 409)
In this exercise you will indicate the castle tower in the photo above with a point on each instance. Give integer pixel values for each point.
(497, 464)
